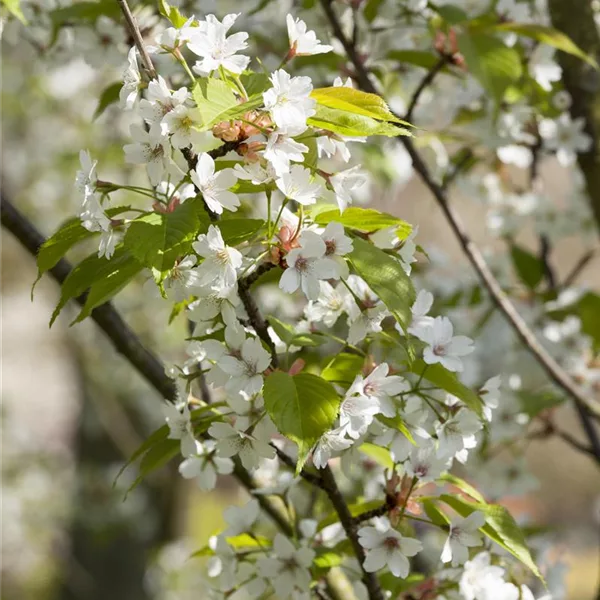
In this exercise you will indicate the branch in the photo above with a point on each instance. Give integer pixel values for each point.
(576, 19)
(581, 264)
(425, 83)
(135, 33)
(555, 372)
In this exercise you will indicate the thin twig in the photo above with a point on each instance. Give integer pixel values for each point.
(549, 274)
(582, 404)
(425, 83)
(138, 40)
(581, 264)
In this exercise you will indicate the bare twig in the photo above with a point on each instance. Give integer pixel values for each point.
(555, 372)
(581, 264)
(545, 249)
(138, 40)
(425, 83)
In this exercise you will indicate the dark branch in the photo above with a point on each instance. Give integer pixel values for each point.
(581, 264)
(134, 30)
(425, 83)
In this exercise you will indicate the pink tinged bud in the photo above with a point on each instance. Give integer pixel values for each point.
(297, 366)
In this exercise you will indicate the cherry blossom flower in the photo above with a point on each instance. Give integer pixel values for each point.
(481, 579)
(303, 42)
(442, 346)
(161, 100)
(231, 442)
(381, 387)
(220, 264)
(330, 305)
(85, 179)
(297, 184)
(289, 102)
(204, 466)
(211, 43)
(337, 245)
(364, 322)
(420, 310)
(246, 370)
(150, 148)
(464, 534)
(490, 394)
(566, 137)
(330, 442)
(240, 519)
(131, 81)
(180, 427)
(389, 548)
(223, 564)
(424, 464)
(457, 433)
(357, 413)
(214, 186)
(281, 149)
(183, 279)
(306, 266)
(288, 570)
(344, 183)
(172, 37)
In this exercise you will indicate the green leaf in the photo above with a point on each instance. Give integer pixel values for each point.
(84, 11)
(14, 8)
(236, 231)
(308, 340)
(240, 543)
(104, 289)
(255, 83)
(489, 60)
(529, 267)
(397, 423)
(463, 486)
(451, 14)
(434, 513)
(588, 308)
(343, 368)
(365, 219)
(371, 9)
(547, 35)
(351, 124)
(355, 102)
(69, 234)
(109, 96)
(303, 407)
(533, 403)
(157, 240)
(284, 330)
(449, 382)
(419, 58)
(88, 272)
(380, 455)
(172, 13)
(327, 559)
(500, 527)
(214, 98)
(386, 277)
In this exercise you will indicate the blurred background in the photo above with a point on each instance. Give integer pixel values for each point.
(73, 410)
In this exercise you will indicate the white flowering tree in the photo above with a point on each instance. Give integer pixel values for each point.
(323, 365)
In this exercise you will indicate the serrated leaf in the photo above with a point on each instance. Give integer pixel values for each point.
(365, 219)
(255, 83)
(157, 456)
(529, 267)
(355, 102)
(109, 96)
(157, 240)
(89, 271)
(236, 231)
(490, 61)
(449, 382)
(500, 527)
(462, 485)
(547, 35)
(343, 368)
(386, 277)
(172, 13)
(434, 513)
(350, 124)
(380, 455)
(303, 407)
(214, 98)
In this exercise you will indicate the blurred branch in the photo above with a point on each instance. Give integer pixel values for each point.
(581, 264)
(582, 81)
(134, 30)
(585, 408)
(425, 83)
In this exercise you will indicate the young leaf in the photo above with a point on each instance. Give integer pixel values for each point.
(489, 60)
(104, 289)
(500, 527)
(343, 368)
(463, 486)
(303, 407)
(386, 277)
(157, 240)
(91, 270)
(172, 13)
(380, 455)
(355, 102)
(365, 219)
(419, 58)
(449, 382)
(14, 8)
(547, 35)
(214, 98)
(109, 96)
(529, 267)
(351, 124)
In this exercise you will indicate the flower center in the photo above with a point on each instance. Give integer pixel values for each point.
(301, 264)
(222, 256)
(391, 543)
(440, 350)
(330, 246)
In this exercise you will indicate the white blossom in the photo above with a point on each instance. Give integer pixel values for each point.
(442, 346)
(297, 184)
(424, 464)
(231, 442)
(566, 137)
(344, 183)
(380, 386)
(389, 548)
(180, 427)
(131, 81)
(214, 186)
(330, 442)
(240, 519)
(337, 245)
(464, 534)
(204, 466)
(281, 149)
(303, 42)
(246, 370)
(150, 148)
(457, 433)
(160, 100)
(220, 264)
